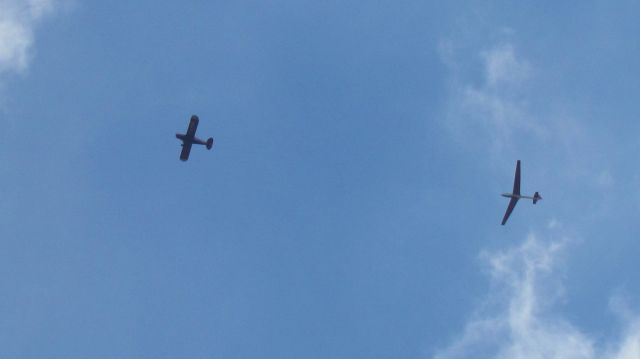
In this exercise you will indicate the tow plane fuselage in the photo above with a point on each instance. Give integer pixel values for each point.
(188, 139)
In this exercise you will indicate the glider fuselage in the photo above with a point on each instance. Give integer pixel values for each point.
(517, 196)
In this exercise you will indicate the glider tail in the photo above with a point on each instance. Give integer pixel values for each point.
(209, 143)
(536, 197)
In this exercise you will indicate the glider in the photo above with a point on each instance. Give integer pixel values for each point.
(190, 138)
(515, 195)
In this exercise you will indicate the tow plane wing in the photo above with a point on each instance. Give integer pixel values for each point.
(186, 149)
(193, 126)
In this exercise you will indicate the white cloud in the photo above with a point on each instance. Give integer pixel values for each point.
(18, 19)
(554, 223)
(502, 66)
(630, 346)
(495, 108)
(605, 179)
(497, 104)
(520, 320)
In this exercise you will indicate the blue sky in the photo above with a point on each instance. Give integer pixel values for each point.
(351, 206)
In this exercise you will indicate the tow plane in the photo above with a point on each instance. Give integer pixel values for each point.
(515, 195)
(190, 138)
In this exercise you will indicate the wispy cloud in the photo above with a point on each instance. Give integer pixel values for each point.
(502, 66)
(495, 104)
(519, 319)
(18, 19)
(495, 107)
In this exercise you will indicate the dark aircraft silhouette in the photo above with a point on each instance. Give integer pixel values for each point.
(190, 138)
(515, 196)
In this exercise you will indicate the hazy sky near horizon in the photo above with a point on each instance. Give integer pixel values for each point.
(351, 205)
